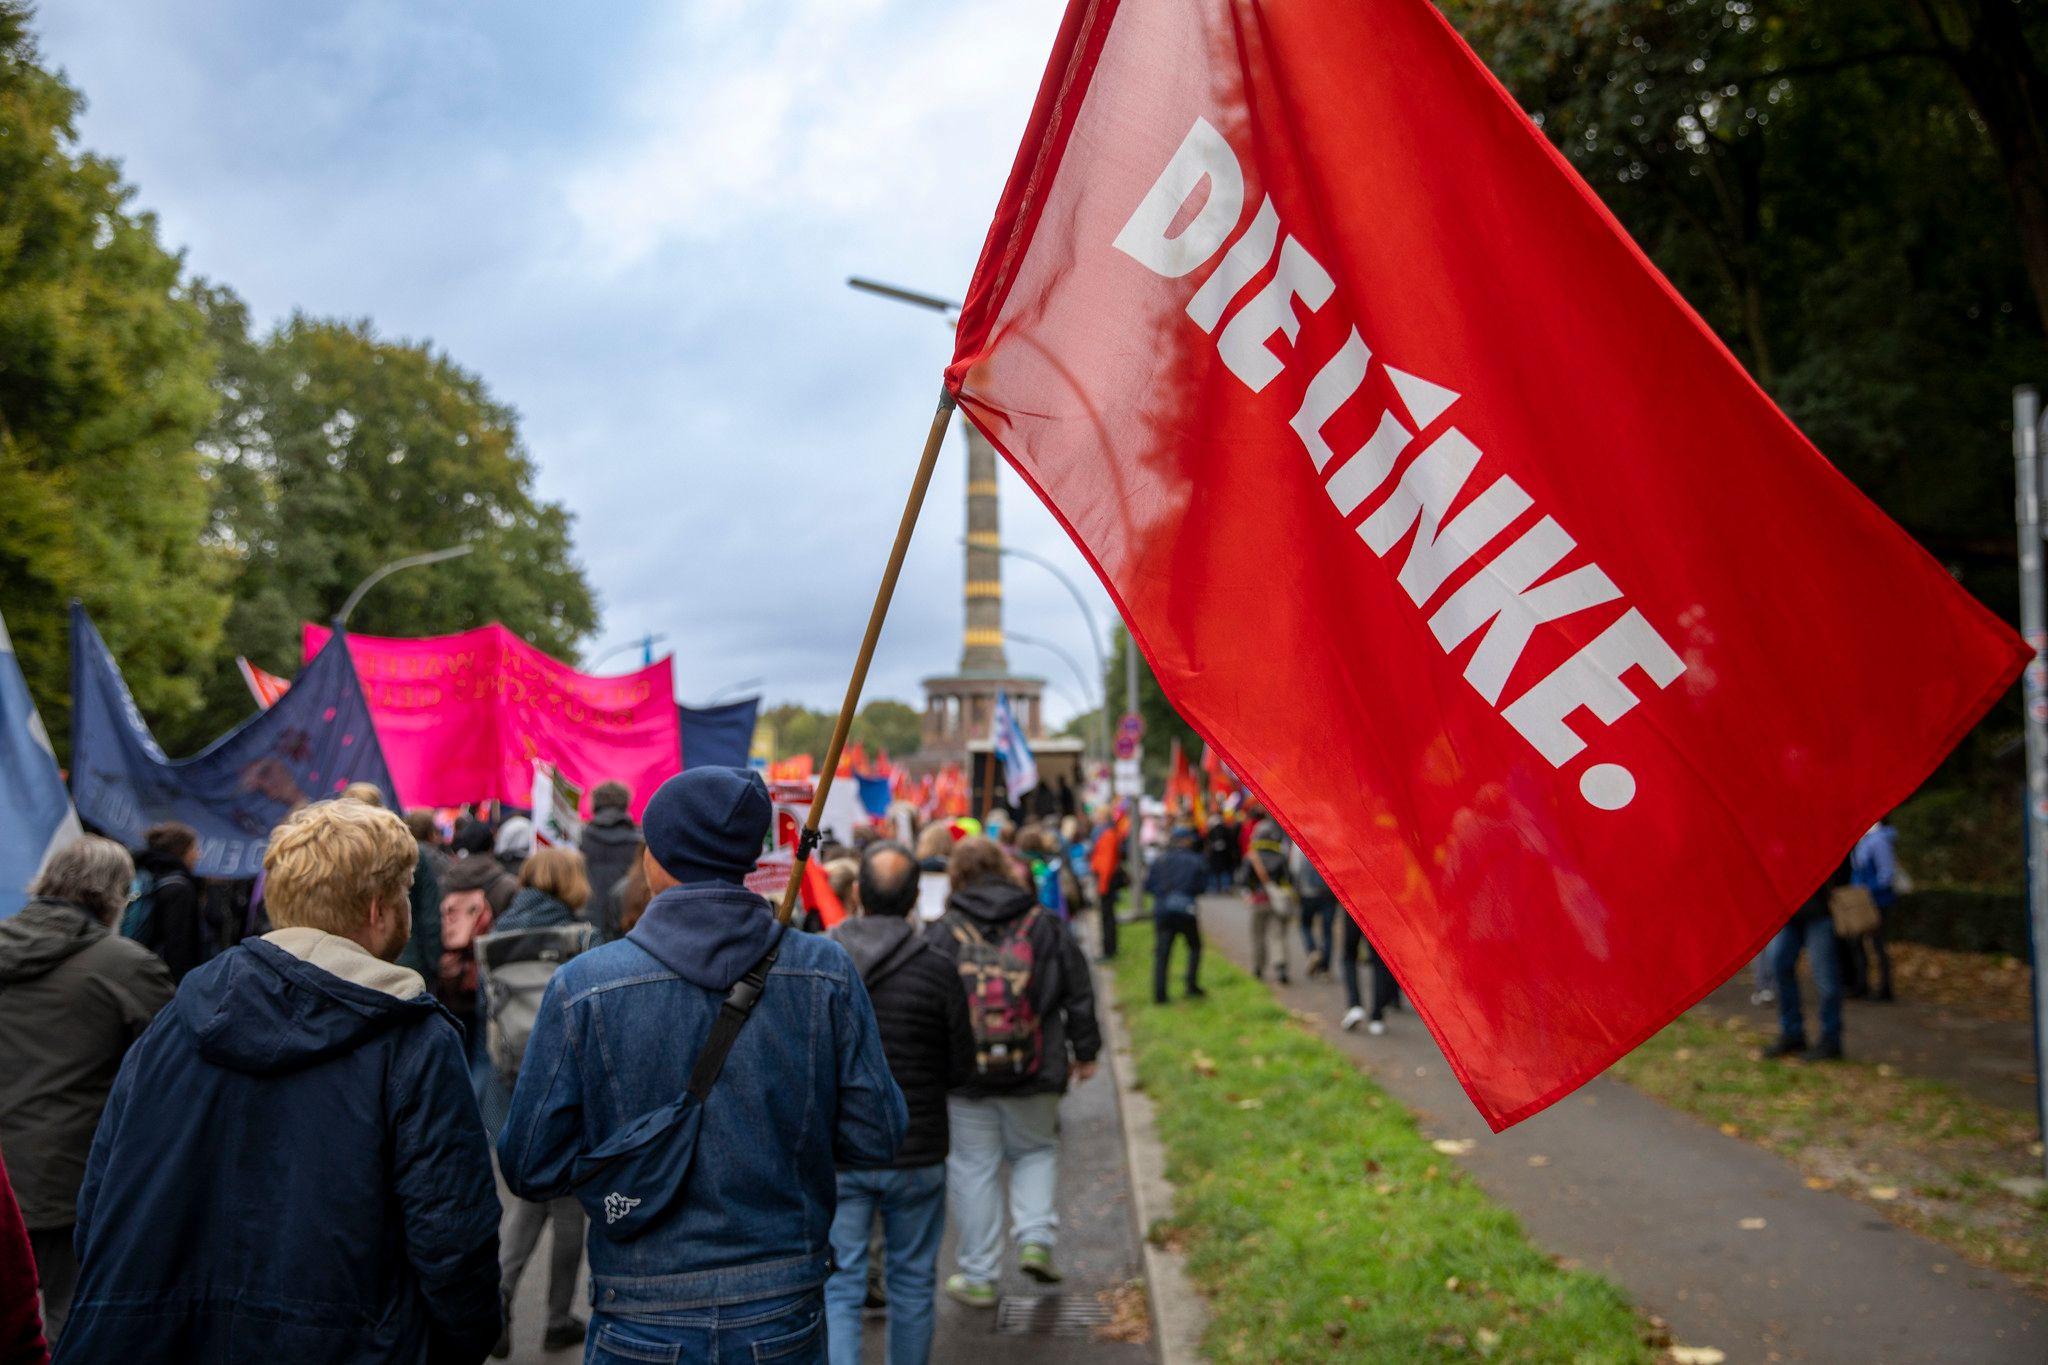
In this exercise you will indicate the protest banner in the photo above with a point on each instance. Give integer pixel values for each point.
(463, 717)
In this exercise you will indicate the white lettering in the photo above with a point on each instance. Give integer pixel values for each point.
(1592, 679)
(1336, 381)
(1204, 154)
(1243, 344)
(1501, 593)
(1361, 476)
(1422, 499)
(1247, 257)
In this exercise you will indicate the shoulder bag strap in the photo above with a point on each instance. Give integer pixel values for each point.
(732, 1016)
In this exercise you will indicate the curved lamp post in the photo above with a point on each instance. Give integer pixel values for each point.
(409, 562)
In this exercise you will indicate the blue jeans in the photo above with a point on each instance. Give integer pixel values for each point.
(1817, 936)
(913, 1208)
(789, 1329)
(1318, 912)
(1023, 1130)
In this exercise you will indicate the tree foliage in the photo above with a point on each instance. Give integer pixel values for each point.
(104, 390)
(334, 452)
(880, 725)
(1163, 724)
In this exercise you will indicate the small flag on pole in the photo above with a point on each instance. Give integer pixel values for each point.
(1020, 769)
(35, 810)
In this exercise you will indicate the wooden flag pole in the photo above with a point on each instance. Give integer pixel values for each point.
(808, 841)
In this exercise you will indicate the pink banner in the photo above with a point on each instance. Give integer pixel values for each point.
(463, 717)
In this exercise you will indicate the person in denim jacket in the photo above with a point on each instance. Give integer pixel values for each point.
(739, 1263)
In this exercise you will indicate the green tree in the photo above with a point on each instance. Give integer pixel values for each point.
(881, 724)
(884, 724)
(335, 451)
(104, 369)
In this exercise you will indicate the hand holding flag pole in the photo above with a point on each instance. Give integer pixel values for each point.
(808, 840)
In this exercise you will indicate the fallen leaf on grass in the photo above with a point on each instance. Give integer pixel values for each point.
(1203, 1063)
(1753, 1224)
(1452, 1284)
(1819, 1182)
(1886, 1193)
(1452, 1146)
(1697, 1355)
(1253, 1103)
(1731, 1130)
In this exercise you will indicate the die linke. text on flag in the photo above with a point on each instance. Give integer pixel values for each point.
(1446, 523)
(1503, 606)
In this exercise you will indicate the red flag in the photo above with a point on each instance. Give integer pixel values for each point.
(266, 688)
(818, 894)
(1437, 512)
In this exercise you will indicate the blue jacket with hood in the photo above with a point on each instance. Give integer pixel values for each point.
(806, 1088)
(290, 1168)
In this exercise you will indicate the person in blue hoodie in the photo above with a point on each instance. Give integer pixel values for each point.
(291, 1166)
(736, 1262)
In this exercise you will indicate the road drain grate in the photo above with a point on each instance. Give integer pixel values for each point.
(1049, 1315)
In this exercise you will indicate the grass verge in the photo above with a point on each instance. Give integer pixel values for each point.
(1318, 1221)
(1930, 1157)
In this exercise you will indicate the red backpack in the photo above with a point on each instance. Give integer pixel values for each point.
(1009, 1037)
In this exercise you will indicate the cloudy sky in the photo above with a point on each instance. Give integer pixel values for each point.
(635, 220)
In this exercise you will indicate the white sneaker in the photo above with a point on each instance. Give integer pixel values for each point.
(1353, 1017)
(1376, 1027)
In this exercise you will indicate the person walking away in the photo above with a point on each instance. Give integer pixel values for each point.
(1031, 1005)
(474, 893)
(290, 1168)
(1221, 843)
(512, 845)
(538, 932)
(934, 847)
(74, 996)
(610, 845)
(1812, 930)
(21, 1321)
(1106, 858)
(1386, 991)
(1318, 912)
(427, 834)
(922, 1012)
(711, 1194)
(166, 912)
(1265, 879)
(422, 952)
(1874, 866)
(1175, 881)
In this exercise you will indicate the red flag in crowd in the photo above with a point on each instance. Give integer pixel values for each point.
(1562, 670)
(1182, 791)
(266, 688)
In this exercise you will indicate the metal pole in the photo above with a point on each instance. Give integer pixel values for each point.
(409, 562)
(1134, 861)
(2026, 450)
(934, 439)
(1080, 674)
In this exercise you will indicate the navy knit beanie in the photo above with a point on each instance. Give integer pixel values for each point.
(708, 824)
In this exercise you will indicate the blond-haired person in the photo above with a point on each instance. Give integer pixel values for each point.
(291, 1166)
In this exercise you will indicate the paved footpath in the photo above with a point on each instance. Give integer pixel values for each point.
(1655, 1200)
(1098, 1251)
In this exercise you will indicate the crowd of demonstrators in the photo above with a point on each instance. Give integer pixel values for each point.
(1031, 1005)
(289, 1166)
(396, 1006)
(74, 997)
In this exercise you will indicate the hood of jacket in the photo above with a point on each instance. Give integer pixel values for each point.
(992, 902)
(878, 944)
(533, 908)
(260, 1009)
(611, 827)
(161, 865)
(708, 933)
(42, 935)
(472, 872)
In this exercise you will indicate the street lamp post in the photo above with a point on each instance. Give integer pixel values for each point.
(409, 562)
(644, 643)
(1081, 674)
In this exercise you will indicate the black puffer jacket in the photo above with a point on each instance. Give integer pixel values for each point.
(922, 1009)
(610, 844)
(1060, 988)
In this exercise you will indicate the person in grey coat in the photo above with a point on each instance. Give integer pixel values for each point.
(73, 996)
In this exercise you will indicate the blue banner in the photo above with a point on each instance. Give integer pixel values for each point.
(718, 736)
(35, 812)
(316, 740)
